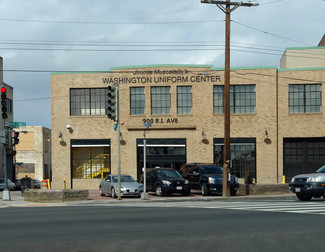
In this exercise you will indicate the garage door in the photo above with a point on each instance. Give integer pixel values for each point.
(302, 155)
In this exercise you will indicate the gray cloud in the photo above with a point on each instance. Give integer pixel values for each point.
(272, 26)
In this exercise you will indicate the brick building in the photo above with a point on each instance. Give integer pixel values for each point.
(33, 158)
(276, 121)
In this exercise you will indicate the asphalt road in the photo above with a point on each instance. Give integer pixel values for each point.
(150, 228)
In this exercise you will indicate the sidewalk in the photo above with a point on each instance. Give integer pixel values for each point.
(95, 199)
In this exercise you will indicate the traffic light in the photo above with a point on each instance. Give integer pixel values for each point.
(4, 102)
(15, 139)
(111, 107)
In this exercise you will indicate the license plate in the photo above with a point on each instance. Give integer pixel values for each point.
(132, 190)
(179, 188)
(297, 189)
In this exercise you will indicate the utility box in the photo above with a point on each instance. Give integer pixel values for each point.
(26, 183)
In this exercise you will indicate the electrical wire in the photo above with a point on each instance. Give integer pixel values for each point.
(109, 22)
(265, 32)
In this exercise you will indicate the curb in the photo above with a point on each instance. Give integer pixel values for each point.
(19, 201)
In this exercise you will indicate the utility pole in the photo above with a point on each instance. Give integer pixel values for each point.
(227, 7)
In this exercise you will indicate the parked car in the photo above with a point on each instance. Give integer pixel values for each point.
(129, 186)
(36, 183)
(11, 185)
(165, 181)
(207, 177)
(306, 186)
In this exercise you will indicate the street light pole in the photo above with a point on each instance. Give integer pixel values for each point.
(145, 195)
(226, 156)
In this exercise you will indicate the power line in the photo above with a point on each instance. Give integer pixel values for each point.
(270, 33)
(109, 22)
(271, 2)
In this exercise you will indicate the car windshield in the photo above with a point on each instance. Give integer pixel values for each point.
(210, 169)
(124, 178)
(321, 170)
(168, 173)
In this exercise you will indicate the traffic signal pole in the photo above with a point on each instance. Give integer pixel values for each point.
(118, 140)
(6, 192)
(227, 9)
(113, 113)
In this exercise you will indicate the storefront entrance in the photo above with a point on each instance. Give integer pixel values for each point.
(161, 153)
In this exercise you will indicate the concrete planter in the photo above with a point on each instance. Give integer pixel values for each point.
(261, 189)
(46, 196)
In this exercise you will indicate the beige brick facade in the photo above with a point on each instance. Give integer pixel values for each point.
(199, 128)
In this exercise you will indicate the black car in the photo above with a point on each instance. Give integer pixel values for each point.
(165, 181)
(207, 177)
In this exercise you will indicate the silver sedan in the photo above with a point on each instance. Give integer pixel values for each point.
(129, 186)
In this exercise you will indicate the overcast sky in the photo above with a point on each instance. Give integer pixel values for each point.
(39, 37)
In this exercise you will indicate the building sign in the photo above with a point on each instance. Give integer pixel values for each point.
(160, 120)
(162, 76)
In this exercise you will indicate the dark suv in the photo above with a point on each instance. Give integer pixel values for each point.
(165, 181)
(207, 177)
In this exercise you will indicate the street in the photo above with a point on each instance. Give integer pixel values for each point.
(176, 226)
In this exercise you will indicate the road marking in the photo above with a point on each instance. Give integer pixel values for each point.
(317, 207)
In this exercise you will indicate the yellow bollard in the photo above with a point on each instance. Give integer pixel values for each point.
(65, 184)
(48, 184)
(284, 179)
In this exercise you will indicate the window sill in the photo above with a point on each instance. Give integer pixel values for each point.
(303, 114)
(238, 114)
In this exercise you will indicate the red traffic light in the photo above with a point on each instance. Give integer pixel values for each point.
(3, 89)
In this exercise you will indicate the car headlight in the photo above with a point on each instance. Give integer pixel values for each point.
(166, 182)
(313, 179)
(293, 180)
(212, 180)
(186, 182)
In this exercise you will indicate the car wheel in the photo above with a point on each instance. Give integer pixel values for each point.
(204, 190)
(113, 193)
(101, 191)
(304, 196)
(159, 190)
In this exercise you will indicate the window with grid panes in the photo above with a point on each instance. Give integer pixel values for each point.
(137, 101)
(242, 99)
(184, 100)
(160, 100)
(305, 98)
(88, 101)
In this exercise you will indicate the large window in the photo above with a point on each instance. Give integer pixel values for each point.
(242, 99)
(160, 100)
(242, 156)
(90, 159)
(184, 100)
(88, 101)
(305, 98)
(137, 101)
